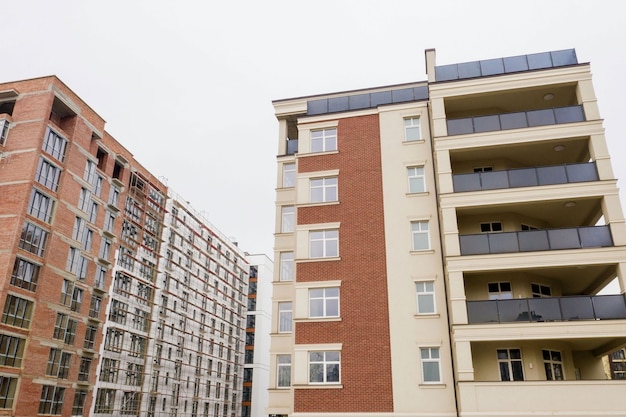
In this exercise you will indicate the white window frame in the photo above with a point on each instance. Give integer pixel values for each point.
(283, 370)
(500, 294)
(412, 124)
(323, 190)
(329, 358)
(289, 175)
(285, 317)
(324, 243)
(509, 361)
(324, 140)
(427, 359)
(416, 180)
(287, 219)
(425, 290)
(494, 227)
(420, 228)
(553, 364)
(328, 300)
(287, 269)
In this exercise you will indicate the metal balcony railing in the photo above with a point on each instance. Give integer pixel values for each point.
(525, 177)
(536, 240)
(600, 307)
(518, 120)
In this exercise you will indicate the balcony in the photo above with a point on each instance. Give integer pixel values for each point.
(516, 120)
(601, 307)
(526, 177)
(536, 240)
(292, 146)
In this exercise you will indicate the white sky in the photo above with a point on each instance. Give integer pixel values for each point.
(187, 86)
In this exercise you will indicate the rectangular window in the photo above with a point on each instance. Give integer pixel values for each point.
(65, 329)
(425, 297)
(118, 312)
(109, 222)
(289, 175)
(114, 196)
(283, 373)
(412, 131)
(324, 243)
(491, 227)
(324, 140)
(323, 190)
(40, 206)
(17, 312)
(137, 346)
(92, 211)
(78, 407)
(105, 248)
(95, 306)
(324, 302)
(90, 337)
(134, 374)
(553, 364)
(110, 369)
(100, 278)
(287, 266)
(105, 399)
(431, 366)
(77, 263)
(540, 291)
(284, 317)
(89, 174)
(7, 391)
(83, 199)
(130, 403)
(84, 369)
(324, 367)
(51, 401)
(48, 174)
(4, 131)
(33, 239)
(417, 183)
(500, 290)
(114, 340)
(55, 145)
(11, 350)
(126, 258)
(420, 235)
(58, 363)
(97, 186)
(25, 274)
(287, 219)
(510, 364)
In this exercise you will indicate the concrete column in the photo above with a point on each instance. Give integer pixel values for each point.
(450, 232)
(444, 171)
(600, 154)
(464, 365)
(456, 292)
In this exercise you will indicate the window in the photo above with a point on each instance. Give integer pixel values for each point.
(510, 363)
(92, 211)
(483, 169)
(527, 227)
(412, 131)
(114, 196)
(431, 366)
(323, 189)
(55, 145)
(425, 297)
(490, 227)
(118, 311)
(500, 291)
(90, 337)
(97, 186)
(287, 266)
(324, 367)
(284, 317)
(130, 403)
(553, 364)
(324, 140)
(95, 306)
(65, 328)
(84, 369)
(287, 220)
(71, 296)
(113, 340)
(101, 273)
(109, 370)
(324, 243)
(109, 222)
(283, 363)
(420, 235)
(17, 311)
(7, 391)
(105, 249)
(33, 239)
(51, 401)
(289, 175)
(58, 363)
(11, 350)
(48, 174)
(417, 182)
(134, 374)
(77, 263)
(83, 199)
(324, 302)
(89, 174)
(137, 346)
(4, 131)
(40, 206)
(25, 274)
(78, 407)
(540, 291)
(105, 398)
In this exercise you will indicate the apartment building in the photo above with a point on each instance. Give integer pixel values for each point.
(118, 298)
(441, 245)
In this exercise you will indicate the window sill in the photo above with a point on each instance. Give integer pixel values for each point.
(422, 251)
(427, 316)
(321, 203)
(301, 155)
(421, 194)
(316, 319)
(410, 142)
(318, 386)
(305, 260)
(433, 386)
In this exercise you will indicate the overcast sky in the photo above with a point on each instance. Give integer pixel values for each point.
(187, 86)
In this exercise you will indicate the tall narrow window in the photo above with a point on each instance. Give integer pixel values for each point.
(48, 174)
(284, 317)
(40, 206)
(4, 131)
(11, 350)
(416, 179)
(324, 140)
(431, 366)
(7, 391)
(421, 235)
(55, 145)
(283, 362)
(412, 131)
(553, 364)
(33, 239)
(289, 175)
(17, 311)
(287, 267)
(510, 364)
(25, 274)
(425, 297)
(287, 219)
(78, 407)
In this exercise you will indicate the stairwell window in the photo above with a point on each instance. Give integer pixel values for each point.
(283, 363)
(289, 175)
(324, 140)
(425, 297)
(431, 365)
(412, 130)
(287, 266)
(420, 235)
(287, 219)
(417, 183)
(285, 314)
(510, 364)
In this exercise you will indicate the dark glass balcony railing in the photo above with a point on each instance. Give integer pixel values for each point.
(536, 240)
(292, 146)
(506, 121)
(600, 307)
(525, 177)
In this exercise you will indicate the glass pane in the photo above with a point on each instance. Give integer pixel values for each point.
(503, 354)
(316, 372)
(595, 236)
(482, 311)
(332, 356)
(317, 106)
(332, 292)
(526, 177)
(515, 63)
(577, 308)
(552, 175)
(504, 371)
(492, 66)
(474, 244)
(545, 309)
(332, 308)
(431, 371)
(548, 368)
(582, 172)
(569, 114)
(518, 373)
(316, 356)
(503, 242)
(332, 373)
(338, 104)
(460, 126)
(466, 182)
(360, 101)
(513, 120)
(469, 69)
(413, 133)
(426, 303)
(540, 117)
(446, 72)
(486, 123)
(609, 306)
(401, 96)
(563, 239)
(494, 180)
(316, 308)
(533, 240)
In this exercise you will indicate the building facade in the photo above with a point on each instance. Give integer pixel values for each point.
(118, 298)
(440, 246)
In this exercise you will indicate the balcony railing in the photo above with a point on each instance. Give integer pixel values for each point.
(525, 177)
(506, 121)
(536, 240)
(600, 307)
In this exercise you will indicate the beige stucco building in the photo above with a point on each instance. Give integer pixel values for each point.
(440, 246)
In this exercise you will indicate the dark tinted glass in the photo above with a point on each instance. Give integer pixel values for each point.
(492, 66)
(564, 57)
(513, 120)
(552, 175)
(582, 172)
(595, 236)
(469, 69)
(545, 309)
(466, 182)
(361, 101)
(486, 123)
(460, 126)
(446, 72)
(609, 306)
(503, 242)
(400, 96)
(569, 114)
(474, 244)
(482, 311)
(577, 308)
(317, 106)
(381, 97)
(526, 177)
(515, 63)
(540, 60)
(534, 240)
(563, 239)
(494, 180)
(338, 104)
(540, 117)
(420, 93)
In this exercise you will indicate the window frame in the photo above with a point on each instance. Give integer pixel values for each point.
(283, 371)
(287, 270)
(319, 296)
(427, 358)
(411, 126)
(287, 219)
(414, 178)
(321, 243)
(422, 293)
(51, 400)
(323, 140)
(553, 365)
(285, 317)
(415, 247)
(324, 362)
(509, 360)
(324, 189)
(288, 175)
